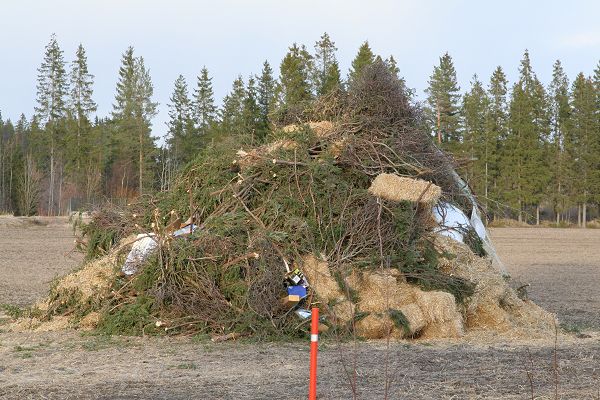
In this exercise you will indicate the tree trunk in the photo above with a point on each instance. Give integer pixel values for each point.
(579, 215)
(51, 184)
(141, 159)
(584, 215)
(537, 214)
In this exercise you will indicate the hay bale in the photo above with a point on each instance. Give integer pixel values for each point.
(414, 316)
(380, 290)
(343, 311)
(376, 326)
(320, 128)
(396, 188)
(494, 305)
(443, 320)
(320, 279)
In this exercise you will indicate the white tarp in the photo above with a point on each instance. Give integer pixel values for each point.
(452, 222)
(144, 246)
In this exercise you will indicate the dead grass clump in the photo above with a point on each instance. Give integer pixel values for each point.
(397, 188)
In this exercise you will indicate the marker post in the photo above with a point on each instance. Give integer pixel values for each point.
(314, 348)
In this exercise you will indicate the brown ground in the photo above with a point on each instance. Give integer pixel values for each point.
(559, 264)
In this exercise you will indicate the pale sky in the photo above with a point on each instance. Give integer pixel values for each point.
(234, 37)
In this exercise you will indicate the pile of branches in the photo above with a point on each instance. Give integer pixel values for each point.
(265, 209)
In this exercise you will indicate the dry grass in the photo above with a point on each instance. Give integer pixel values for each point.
(396, 188)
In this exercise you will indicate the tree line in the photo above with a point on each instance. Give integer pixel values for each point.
(524, 149)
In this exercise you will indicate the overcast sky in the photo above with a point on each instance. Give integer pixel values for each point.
(234, 37)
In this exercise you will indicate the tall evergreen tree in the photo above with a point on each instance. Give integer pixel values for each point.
(496, 131)
(204, 108)
(559, 114)
(524, 162)
(266, 99)
(182, 138)
(133, 111)
(81, 106)
(478, 143)
(232, 115)
(584, 143)
(294, 77)
(364, 58)
(327, 71)
(251, 111)
(52, 89)
(443, 108)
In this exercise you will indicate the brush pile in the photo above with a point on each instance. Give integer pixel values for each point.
(347, 201)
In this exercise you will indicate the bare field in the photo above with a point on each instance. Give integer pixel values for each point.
(561, 265)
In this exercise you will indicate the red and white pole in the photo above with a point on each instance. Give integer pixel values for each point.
(314, 348)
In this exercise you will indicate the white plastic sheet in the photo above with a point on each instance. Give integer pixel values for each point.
(143, 247)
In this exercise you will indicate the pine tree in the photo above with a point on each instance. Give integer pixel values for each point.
(266, 99)
(183, 139)
(559, 114)
(294, 77)
(584, 143)
(364, 57)
(232, 115)
(478, 145)
(442, 98)
(204, 108)
(326, 70)
(52, 89)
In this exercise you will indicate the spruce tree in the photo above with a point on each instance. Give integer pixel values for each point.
(81, 105)
(52, 89)
(496, 131)
(266, 99)
(363, 58)
(251, 112)
(524, 161)
(232, 115)
(294, 77)
(204, 108)
(559, 114)
(133, 111)
(478, 143)
(326, 74)
(584, 144)
(443, 108)
(182, 136)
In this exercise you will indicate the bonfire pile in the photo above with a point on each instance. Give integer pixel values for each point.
(347, 201)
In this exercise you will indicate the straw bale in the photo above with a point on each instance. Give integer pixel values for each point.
(320, 279)
(414, 316)
(376, 326)
(396, 188)
(443, 330)
(381, 290)
(494, 305)
(320, 128)
(23, 325)
(437, 306)
(344, 311)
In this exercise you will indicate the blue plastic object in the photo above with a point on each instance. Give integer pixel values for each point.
(297, 290)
